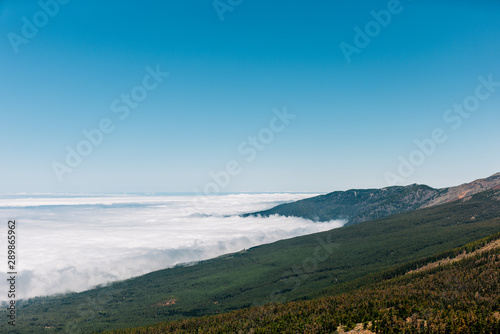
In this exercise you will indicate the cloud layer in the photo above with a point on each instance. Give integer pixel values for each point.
(72, 243)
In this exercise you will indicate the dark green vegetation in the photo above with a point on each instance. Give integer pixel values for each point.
(300, 268)
(463, 297)
(359, 205)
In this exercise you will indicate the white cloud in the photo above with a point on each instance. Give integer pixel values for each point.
(74, 243)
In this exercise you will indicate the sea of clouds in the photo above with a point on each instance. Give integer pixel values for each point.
(75, 242)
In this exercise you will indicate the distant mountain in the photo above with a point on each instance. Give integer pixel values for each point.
(359, 205)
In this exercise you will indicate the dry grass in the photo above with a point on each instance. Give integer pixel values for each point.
(490, 246)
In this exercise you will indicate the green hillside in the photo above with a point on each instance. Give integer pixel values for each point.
(461, 297)
(287, 270)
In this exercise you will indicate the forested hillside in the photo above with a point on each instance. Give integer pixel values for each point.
(461, 297)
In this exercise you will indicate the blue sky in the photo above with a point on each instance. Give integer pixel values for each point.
(354, 120)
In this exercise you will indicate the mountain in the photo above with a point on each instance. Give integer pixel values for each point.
(311, 266)
(465, 190)
(359, 205)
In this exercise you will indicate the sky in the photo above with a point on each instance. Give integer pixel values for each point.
(246, 96)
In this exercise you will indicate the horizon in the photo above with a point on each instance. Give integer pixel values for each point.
(162, 193)
(255, 97)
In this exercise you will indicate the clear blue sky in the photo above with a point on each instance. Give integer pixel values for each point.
(353, 119)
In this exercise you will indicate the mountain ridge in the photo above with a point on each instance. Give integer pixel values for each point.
(359, 205)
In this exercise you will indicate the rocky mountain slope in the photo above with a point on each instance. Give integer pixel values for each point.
(357, 205)
(466, 190)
